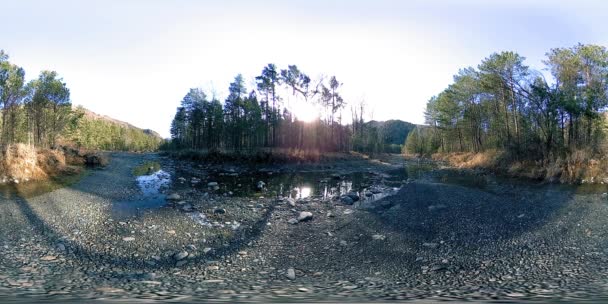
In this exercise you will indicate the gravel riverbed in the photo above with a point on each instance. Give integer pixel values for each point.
(429, 241)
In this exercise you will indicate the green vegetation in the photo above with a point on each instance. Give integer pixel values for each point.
(503, 105)
(40, 113)
(257, 120)
(96, 133)
(380, 136)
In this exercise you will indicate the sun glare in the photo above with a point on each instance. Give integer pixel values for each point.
(305, 111)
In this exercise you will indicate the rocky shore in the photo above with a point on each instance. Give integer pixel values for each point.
(202, 238)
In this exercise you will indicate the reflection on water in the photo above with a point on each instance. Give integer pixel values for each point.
(151, 186)
(363, 186)
(36, 188)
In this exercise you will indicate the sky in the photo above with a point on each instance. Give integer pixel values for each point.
(134, 60)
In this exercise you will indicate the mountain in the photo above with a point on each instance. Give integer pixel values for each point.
(394, 131)
(101, 132)
(92, 115)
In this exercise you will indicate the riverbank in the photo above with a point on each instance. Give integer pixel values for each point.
(20, 163)
(263, 156)
(578, 168)
(213, 239)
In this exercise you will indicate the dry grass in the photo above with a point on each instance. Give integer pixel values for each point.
(20, 162)
(580, 166)
(470, 160)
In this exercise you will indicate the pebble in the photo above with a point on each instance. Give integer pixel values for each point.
(291, 274)
(378, 237)
(174, 197)
(128, 239)
(48, 258)
(180, 255)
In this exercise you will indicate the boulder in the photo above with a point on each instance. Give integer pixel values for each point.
(304, 216)
(260, 185)
(347, 200)
(353, 195)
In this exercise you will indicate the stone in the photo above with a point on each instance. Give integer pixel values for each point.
(60, 247)
(378, 237)
(430, 245)
(180, 255)
(260, 185)
(291, 274)
(304, 216)
(293, 221)
(219, 211)
(353, 195)
(128, 239)
(48, 258)
(376, 191)
(207, 250)
(437, 207)
(347, 200)
(181, 263)
(174, 197)
(291, 202)
(212, 184)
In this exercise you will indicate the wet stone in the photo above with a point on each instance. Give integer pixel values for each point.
(180, 255)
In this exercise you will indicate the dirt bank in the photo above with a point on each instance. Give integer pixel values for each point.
(577, 168)
(21, 163)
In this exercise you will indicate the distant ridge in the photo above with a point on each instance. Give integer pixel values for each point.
(92, 115)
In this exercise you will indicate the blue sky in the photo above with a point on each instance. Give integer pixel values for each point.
(135, 60)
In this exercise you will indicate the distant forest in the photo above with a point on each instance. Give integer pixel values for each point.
(39, 113)
(505, 105)
(254, 118)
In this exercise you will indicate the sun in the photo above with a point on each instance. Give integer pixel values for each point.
(305, 111)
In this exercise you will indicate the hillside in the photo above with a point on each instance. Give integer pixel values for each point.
(394, 131)
(381, 136)
(101, 132)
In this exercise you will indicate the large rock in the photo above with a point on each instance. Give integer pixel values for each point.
(304, 216)
(96, 159)
(347, 200)
(353, 195)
